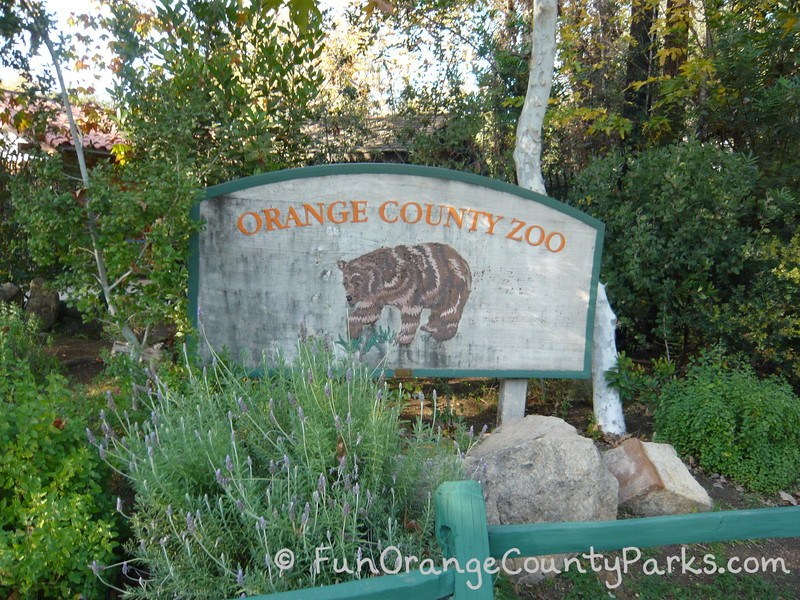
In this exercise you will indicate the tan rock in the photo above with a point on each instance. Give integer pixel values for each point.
(653, 480)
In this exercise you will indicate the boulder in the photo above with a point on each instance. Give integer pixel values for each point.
(653, 480)
(43, 303)
(539, 469)
(11, 293)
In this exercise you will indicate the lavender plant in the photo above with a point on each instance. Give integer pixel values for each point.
(252, 486)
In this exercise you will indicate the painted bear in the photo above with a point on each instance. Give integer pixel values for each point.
(410, 278)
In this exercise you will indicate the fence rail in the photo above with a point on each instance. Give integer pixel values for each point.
(465, 537)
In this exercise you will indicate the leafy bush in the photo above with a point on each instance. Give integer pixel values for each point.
(54, 520)
(734, 423)
(20, 347)
(763, 317)
(635, 382)
(679, 221)
(228, 471)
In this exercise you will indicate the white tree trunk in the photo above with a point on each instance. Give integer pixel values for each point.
(77, 141)
(607, 403)
(528, 149)
(528, 156)
(528, 159)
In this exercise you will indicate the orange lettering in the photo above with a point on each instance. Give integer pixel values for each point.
(551, 236)
(293, 216)
(340, 218)
(528, 235)
(241, 224)
(519, 225)
(382, 211)
(454, 215)
(404, 213)
(272, 216)
(359, 211)
(492, 222)
(429, 218)
(319, 216)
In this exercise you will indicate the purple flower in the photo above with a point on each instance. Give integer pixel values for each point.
(249, 461)
(102, 450)
(330, 372)
(169, 510)
(337, 422)
(119, 504)
(96, 567)
(346, 508)
(348, 375)
(228, 462)
(125, 568)
(349, 418)
(239, 505)
(301, 414)
(111, 405)
(190, 525)
(327, 389)
(240, 577)
(306, 512)
(220, 479)
(90, 437)
(242, 405)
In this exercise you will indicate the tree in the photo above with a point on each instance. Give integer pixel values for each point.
(33, 19)
(208, 91)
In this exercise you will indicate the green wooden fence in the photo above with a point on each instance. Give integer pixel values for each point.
(478, 549)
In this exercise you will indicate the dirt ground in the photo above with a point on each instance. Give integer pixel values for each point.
(474, 403)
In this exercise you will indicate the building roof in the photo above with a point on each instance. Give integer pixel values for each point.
(17, 111)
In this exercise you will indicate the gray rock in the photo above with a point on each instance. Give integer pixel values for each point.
(653, 480)
(43, 303)
(11, 293)
(538, 469)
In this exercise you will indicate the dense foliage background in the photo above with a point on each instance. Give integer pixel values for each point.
(676, 123)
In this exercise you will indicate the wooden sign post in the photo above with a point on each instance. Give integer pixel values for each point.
(425, 271)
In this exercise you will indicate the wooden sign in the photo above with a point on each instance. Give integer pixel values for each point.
(423, 271)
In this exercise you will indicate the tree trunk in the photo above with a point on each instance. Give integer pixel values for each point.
(528, 158)
(77, 140)
(528, 151)
(676, 44)
(639, 66)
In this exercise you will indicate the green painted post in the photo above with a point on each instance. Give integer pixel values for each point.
(461, 531)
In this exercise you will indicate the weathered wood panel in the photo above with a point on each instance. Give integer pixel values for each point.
(462, 275)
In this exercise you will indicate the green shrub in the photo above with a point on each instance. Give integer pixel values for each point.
(228, 471)
(734, 423)
(679, 221)
(637, 383)
(54, 518)
(20, 343)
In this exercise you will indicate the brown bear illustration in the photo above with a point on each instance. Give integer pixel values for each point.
(410, 278)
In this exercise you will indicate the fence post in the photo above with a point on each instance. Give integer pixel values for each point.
(461, 531)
